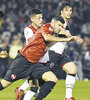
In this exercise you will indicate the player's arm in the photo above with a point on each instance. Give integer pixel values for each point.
(65, 32)
(49, 37)
(78, 39)
(68, 34)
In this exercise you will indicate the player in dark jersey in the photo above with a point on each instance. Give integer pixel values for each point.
(26, 62)
(65, 10)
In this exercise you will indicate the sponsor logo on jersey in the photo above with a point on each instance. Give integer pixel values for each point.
(50, 29)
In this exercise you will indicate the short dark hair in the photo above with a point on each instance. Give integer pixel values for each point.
(1, 14)
(59, 18)
(62, 5)
(35, 12)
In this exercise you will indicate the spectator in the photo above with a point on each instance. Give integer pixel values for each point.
(3, 58)
(15, 46)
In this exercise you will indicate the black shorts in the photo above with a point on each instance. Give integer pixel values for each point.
(60, 60)
(21, 68)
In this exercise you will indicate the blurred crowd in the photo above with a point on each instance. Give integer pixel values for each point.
(17, 18)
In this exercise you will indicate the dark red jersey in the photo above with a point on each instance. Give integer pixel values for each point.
(36, 47)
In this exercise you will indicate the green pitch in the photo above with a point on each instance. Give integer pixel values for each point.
(81, 91)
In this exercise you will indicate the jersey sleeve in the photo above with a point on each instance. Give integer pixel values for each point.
(47, 29)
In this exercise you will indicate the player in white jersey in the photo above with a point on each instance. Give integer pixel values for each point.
(67, 65)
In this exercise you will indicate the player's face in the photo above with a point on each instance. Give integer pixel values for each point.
(37, 20)
(57, 26)
(67, 12)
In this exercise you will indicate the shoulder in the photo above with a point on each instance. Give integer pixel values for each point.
(27, 29)
(48, 26)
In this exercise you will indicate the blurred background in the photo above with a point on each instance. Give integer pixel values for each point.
(17, 18)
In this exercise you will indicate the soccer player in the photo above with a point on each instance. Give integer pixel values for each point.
(44, 59)
(67, 64)
(26, 62)
(64, 61)
(36, 23)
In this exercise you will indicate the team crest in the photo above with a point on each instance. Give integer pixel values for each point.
(52, 65)
(13, 76)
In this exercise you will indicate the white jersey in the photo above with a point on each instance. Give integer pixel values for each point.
(59, 46)
(28, 33)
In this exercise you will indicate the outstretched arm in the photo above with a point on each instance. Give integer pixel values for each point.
(49, 37)
(68, 34)
(78, 39)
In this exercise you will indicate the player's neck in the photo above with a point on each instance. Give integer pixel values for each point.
(35, 26)
(64, 18)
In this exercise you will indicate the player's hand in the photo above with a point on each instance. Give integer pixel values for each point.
(70, 38)
(3, 54)
(68, 34)
(78, 39)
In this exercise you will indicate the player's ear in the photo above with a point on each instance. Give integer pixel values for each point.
(32, 19)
